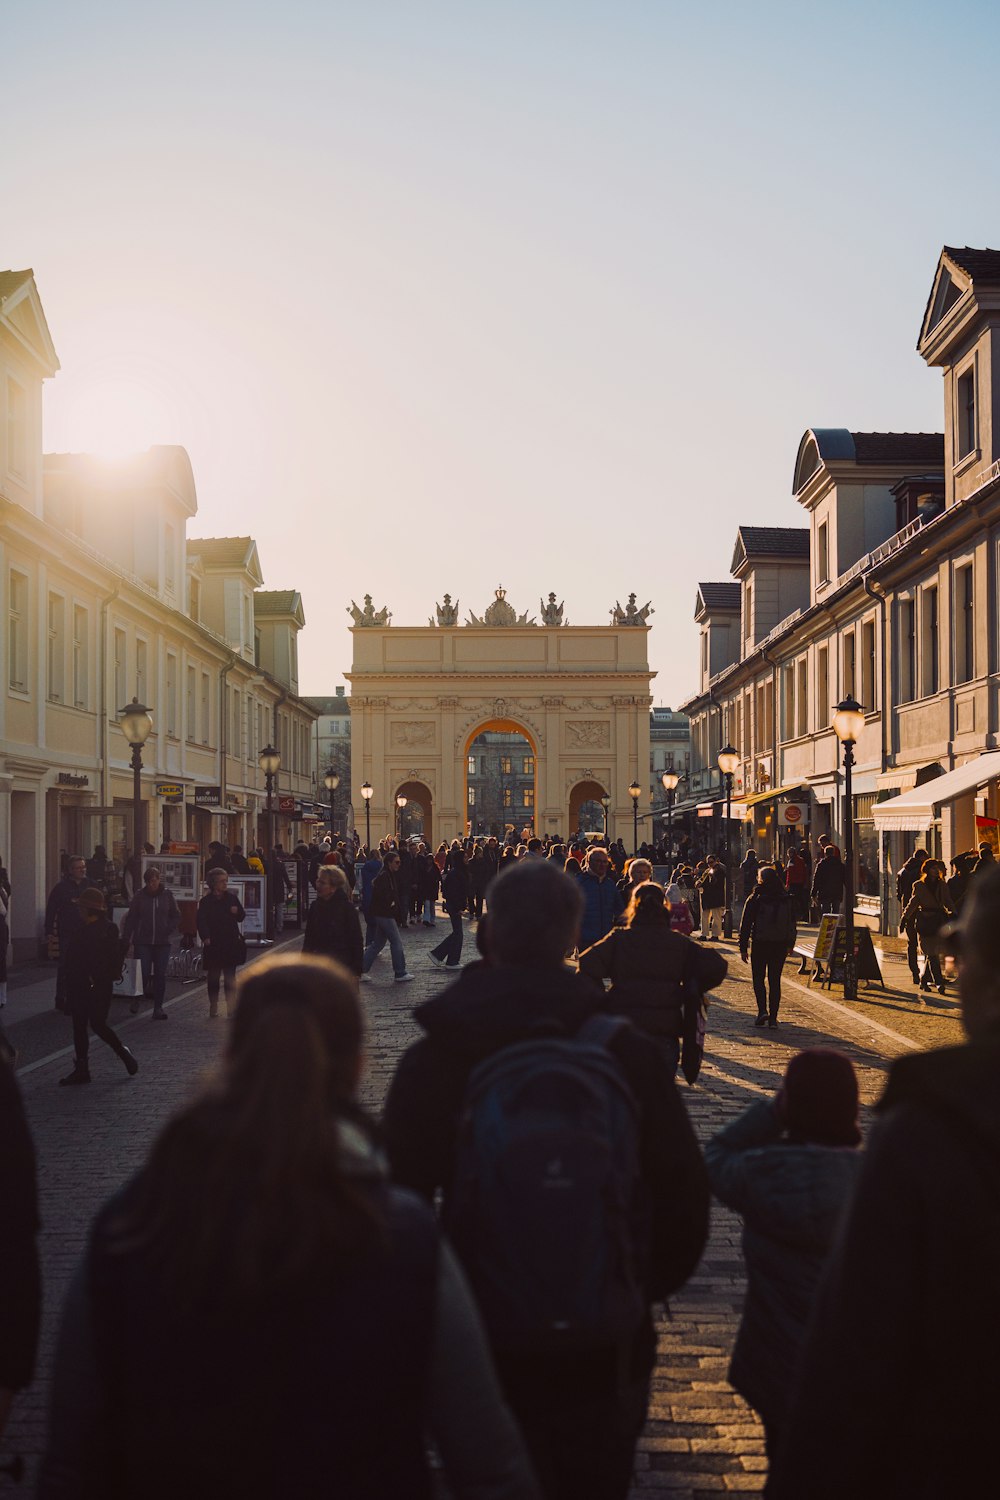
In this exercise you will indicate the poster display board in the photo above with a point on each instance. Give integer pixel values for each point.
(296, 901)
(249, 892)
(180, 873)
(988, 832)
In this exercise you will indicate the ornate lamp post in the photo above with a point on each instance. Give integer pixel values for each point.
(729, 759)
(635, 792)
(605, 804)
(269, 761)
(367, 791)
(331, 781)
(669, 781)
(136, 721)
(400, 803)
(848, 722)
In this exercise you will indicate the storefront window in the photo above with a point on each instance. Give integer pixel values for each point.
(865, 847)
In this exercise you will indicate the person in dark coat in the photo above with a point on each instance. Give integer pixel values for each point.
(898, 1387)
(455, 888)
(960, 882)
(429, 878)
(712, 889)
(648, 965)
(152, 920)
(63, 919)
(93, 964)
(829, 881)
(384, 920)
(768, 930)
(603, 903)
(223, 948)
(480, 875)
(924, 915)
(788, 1166)
(580, 1418)
(748, 873)
(277, 1294)
(332, 926)
(20, 1278)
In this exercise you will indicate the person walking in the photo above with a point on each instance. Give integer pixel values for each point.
(479, 878)
(656, 974)
(63, 920)
(797, 884)
(279, 887)
(384, 920)
(581, 1408)
(219, 918)
(788, 1166)
(712, 887)
(898, 1386)
(332, 925)
(93, 964)
(152, 920)
(748, 873)
(603, 904)
(768, 930)
(430, 886)
(926, 912)
(455, 889)
(829, 881)
(276, 1325)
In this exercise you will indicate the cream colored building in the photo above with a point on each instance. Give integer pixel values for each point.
(421, 694)
(100, 604)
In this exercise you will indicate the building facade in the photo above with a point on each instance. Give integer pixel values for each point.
(332, 751)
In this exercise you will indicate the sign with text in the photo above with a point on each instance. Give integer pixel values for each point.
(180, 873)
(793, 814)
(249, 891)
(170, 791)
(208, 796)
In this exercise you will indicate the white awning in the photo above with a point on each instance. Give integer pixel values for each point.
(897, 781)
(915, 811)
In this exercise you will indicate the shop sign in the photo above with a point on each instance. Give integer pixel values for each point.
(208, 796)
(286, 804)
(236, 801)
(170, 791)
(70, 778)
(793, 814)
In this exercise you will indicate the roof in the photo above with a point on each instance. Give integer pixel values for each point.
(276, 601)
(13, 281)
(899, 447)
(982, 265)
(340, 705)
(221, 549)
(718, 596)
(774, 541)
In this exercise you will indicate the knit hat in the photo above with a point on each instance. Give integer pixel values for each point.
(821, 1098)
(92, 899)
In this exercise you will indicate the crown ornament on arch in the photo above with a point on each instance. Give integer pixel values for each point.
(500, 614)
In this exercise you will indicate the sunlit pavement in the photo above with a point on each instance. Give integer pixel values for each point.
(701, 1438)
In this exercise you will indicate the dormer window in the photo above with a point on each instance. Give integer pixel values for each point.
(822, 554)
(16, 423)
(966, 413)
(194, 600)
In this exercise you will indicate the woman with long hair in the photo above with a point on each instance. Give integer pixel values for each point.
(768, 930)
(332, 925)
(926, 912)
(655, 973)
(260, 1314)
(223, 947)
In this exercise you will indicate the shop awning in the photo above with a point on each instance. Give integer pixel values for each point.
(914, 811)
(896, 781)
(776, 791)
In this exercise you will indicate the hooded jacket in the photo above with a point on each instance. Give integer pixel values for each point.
(489, 1008)
(899, 1386)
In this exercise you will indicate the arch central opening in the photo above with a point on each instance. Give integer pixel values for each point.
(501, 781)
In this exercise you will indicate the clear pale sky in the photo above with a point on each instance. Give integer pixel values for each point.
(440, 296)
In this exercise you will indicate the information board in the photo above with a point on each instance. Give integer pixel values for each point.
(249, 892)
(864, 957)
(824, 940)
(180, 873)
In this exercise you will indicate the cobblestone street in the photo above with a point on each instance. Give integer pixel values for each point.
(701, 1439)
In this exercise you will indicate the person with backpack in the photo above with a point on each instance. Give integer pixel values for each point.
(259, 1313)
(94, 962)
(573, 1187)
(455, 888)
(768, 930)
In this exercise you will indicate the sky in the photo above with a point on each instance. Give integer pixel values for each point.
(442, 296)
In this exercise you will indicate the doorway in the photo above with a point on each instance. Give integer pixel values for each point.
(501, 781)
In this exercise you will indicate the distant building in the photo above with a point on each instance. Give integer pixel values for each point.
(500, 784)
(331, 750)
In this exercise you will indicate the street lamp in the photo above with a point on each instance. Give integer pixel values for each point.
(331, 781)
(729, 759)
(400, 803)
(669, 780)
(635, 792)
(269, 761)
(136, 721)
(366, 792)
(848, 722)
(605, 803)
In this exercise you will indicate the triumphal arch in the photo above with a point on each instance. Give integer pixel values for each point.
(420, 695)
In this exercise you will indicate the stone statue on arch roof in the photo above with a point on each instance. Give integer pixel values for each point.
(552, 613)
(500, 613)
(630, 615)
(369, 616)
(447, 613)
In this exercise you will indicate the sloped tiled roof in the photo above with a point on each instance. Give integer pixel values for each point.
(774, 541)
(899, 447)
(982, 265)
(221, 549)
(275, 601)
(719, 595)
(13, 281)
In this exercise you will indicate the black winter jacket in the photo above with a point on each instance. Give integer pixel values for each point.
(899, 1386)
(768, 918)
(490, 1008)
(218, 919)
(385, 896)
(649, 966)
(93, 961)
(333, 929)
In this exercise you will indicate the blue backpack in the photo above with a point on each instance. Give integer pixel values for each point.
(545, 1211)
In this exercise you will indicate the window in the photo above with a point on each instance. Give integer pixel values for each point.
(17, 446)
(194, 600)
(748, 611)
(248, 631)
(17, 632)
(191, 705)
(141, 670)
(788, 700)
(528, 765)
(472, 796)
(929, 671)
(56, 656)
(206, 708)
(704, 653)
(505, 765)
(171, 689)
(850, 665)
(121, 672)
(907, 651)
(472, 765)
(823, 554)
(235, 738)
(802, 696)
(528, 797)
(81, 631)
(508, 799)
(868, 687)
(965, 629)
(966, 414)
(169, 557)
(823, 704)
